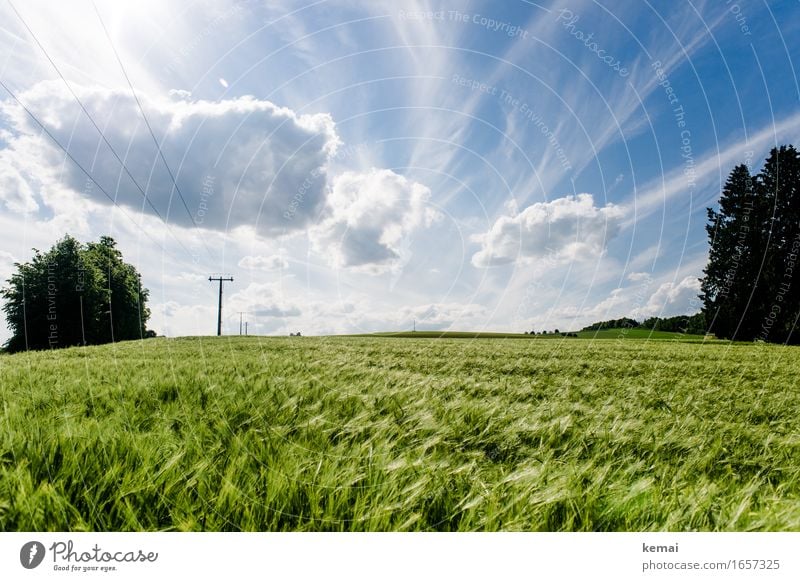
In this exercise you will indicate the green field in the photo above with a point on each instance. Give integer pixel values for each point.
(415, 434)
(638, 333)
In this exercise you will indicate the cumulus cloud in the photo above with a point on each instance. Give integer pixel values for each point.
(273, 262)
(568, 228)
(672, 299)
(238, 162)
(370, 215)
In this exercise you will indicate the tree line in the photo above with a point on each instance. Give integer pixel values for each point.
(687, 324)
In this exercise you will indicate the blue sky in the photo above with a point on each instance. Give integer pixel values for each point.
(359, 165)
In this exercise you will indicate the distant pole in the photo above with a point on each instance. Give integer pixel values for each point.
(240, 321)
(415, 325)
(245, 327)
(220, 279)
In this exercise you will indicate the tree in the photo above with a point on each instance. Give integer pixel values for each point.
(779, 181)
(751, 289)
(74, 294)
(122, 312)
(737, 243)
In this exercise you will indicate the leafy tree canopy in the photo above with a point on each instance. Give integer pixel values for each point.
(75, 294)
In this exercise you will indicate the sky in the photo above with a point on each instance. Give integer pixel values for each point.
(361, 166)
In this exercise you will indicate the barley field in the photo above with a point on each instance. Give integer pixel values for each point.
(385, 434)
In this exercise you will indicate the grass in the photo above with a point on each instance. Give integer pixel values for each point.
(380, 434)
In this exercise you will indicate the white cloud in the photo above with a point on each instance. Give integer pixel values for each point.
(565, 229)
(672, 299)
(573, 316)
(173, 318)
(273, 262)
(15, 192)
(180, 94)
(264, 301)
(443, 315)
(6, 265)
(370, 215)
(639, 276)
(363, 316)
(649, 295)
(239, 162)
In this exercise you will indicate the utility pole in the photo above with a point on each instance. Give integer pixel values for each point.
(245, 327)
(415, 326)
(240, 321)
(220, 279)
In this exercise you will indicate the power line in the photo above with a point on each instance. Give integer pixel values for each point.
(76, 162)
(96, 126)
(149, 127)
